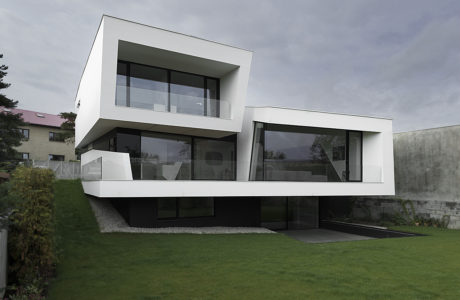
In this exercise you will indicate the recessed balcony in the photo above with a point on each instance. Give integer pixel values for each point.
(164, 90)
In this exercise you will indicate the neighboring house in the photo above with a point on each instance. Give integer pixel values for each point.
(167, 137)
(42, 137)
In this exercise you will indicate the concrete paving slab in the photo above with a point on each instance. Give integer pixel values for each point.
(322, 236)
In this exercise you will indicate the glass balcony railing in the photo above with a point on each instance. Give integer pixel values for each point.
(92, 170)
(153, 169)
(162, 101)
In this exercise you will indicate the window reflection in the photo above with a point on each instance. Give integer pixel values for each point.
(293, 153)
(214, 159)
(165, 157)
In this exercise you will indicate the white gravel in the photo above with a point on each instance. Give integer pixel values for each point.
(109, 220)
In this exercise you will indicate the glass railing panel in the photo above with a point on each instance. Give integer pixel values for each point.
(162, 101)
(153, 169)
(92, 170)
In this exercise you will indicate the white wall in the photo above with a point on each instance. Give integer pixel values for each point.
(230, 64)
(377, 139)
(198, 188)
(89, 90)
(115, 165)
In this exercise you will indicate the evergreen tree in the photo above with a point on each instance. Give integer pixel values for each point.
(68, 126)
(10, 136)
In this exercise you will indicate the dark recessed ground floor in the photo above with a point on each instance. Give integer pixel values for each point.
(276, 213)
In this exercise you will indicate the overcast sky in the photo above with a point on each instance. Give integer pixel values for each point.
(397, 59)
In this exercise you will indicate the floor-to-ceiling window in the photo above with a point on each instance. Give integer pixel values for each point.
(161, 89)
(165, 156)
(294, 153)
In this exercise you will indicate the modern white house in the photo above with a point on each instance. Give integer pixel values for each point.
(168, 138)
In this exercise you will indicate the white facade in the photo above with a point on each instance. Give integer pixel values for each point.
(98, 114)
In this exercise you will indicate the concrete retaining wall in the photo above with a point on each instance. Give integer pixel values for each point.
(384, 209)
(427, 172)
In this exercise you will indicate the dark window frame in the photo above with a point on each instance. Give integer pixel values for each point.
(231, 138)
(56, 155)
(205, 88)
(347, 169)
(178, 217)
(21, 154)
(54, 136)
(23, 130)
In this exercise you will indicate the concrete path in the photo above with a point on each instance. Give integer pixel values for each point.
(322, 236)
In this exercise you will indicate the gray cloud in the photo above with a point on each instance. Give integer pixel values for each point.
(397, 59)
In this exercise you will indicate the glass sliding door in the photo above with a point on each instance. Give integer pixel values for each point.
(295, 153)
(304, 154)
(213, 159)
(165, 157)
(148, 87)
(187, 93)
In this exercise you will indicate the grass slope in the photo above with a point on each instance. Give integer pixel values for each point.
(155, 266)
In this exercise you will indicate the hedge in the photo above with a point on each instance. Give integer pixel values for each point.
(31, 244)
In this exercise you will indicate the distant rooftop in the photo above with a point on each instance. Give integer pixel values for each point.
(36, 118)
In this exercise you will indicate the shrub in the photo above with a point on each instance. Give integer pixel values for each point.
(31, 240)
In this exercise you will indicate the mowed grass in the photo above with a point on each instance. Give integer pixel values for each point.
(180, 266)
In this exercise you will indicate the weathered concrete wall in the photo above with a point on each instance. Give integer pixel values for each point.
(427, 164)
(427, 172)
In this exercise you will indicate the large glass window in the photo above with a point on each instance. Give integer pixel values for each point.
(187, 93)
(130, 142)
(196, 207)
(160, 89)
(294, 153)
(165, 157)
(148, 87)
(166, 208)
(214, 159)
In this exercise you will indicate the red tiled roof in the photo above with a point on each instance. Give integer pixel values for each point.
(37, 118)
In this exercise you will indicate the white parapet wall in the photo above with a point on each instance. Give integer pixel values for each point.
(113, 165)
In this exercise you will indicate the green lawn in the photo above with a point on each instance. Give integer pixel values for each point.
(155, 266)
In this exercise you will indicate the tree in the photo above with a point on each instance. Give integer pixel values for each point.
(69, 126)
(10, 136)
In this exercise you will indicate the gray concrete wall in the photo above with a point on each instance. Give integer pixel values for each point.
(427, 172)
(427, 164)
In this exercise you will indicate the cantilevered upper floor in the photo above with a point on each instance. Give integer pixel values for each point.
(147, 78)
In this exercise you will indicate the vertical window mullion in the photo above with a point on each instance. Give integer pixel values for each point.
(347, 156)
(205, 99)
(128, 84)
(169, 90)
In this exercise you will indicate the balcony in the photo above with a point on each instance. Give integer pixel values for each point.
(165, 90)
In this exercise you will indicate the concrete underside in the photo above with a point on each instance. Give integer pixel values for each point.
(322, 236)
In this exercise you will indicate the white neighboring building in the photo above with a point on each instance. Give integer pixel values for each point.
(169, 140)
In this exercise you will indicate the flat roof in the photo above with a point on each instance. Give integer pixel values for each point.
(317, 111)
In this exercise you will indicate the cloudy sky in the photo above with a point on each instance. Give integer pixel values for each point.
(398, 59)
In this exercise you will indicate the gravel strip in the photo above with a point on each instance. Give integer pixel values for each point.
(109, 220)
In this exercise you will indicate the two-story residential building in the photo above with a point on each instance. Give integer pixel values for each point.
(42, 137)
(168, 138)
